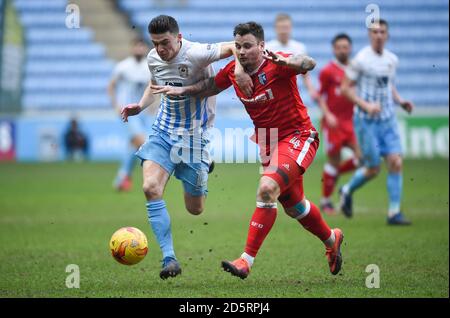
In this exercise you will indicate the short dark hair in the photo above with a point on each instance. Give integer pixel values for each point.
(252, 28)
(341, 36)
(162, 24)
(384, 22)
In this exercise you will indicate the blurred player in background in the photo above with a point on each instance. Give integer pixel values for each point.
(129, 80)
(274, 105)
(178, 143)
(373, 72)
(285, 43)
(337, 120)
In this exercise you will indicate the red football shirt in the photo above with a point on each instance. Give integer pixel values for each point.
(330, 78)
(275, 102)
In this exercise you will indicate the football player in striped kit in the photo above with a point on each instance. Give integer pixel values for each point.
(129, 80)
(178, 143)
(373, 72)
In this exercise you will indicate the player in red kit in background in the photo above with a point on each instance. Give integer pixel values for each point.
(337, 120)
(274, 106)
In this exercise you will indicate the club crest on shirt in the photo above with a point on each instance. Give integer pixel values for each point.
(262, 78)
(183, 69)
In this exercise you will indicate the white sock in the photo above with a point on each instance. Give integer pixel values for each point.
(324, 201)
(248, 258)
(346, 189)
(329, 242)
(393, 210)
(329, 169)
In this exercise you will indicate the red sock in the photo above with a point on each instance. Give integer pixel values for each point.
(328, 184)
(314, 223)
(348, 165)
(260, 225)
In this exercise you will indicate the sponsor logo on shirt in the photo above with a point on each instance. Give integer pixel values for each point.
(267, 95)
(262, 78)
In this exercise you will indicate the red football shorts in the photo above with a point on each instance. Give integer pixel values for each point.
(288, 162)
(339, 137)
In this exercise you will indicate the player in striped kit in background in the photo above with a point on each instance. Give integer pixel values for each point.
(128, 82)
(373, 72)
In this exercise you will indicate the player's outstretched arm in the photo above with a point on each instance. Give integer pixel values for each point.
(134, 109)
(407, 105)
(348, 90)
(301, 63)
(202, 88)
(243, 79)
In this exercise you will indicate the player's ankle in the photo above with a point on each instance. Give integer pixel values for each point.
(248, 258)
(329, 242)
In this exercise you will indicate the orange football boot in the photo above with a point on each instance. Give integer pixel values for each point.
(238, 267)
(334, 253)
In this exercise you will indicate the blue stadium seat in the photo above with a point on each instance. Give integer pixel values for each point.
(64, 68)
(418, 30)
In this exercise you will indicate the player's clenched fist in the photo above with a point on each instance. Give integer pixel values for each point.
(130, 110)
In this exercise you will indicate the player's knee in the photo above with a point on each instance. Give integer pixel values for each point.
(292, 212)
(152, 189)
(396, 164)
(298, 210)
(268, 190)
(195, 209)
(372, 172)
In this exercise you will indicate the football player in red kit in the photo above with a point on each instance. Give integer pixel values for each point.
(337, 120)
(287, 139)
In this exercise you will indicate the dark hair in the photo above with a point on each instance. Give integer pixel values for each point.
(384, 22)
(162, 24)
(252, 28)
(341, 36)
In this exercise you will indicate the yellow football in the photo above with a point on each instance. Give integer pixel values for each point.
(128, 245)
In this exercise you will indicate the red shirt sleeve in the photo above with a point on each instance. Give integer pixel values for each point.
(324, 82)
(222, 78)
(285, 71)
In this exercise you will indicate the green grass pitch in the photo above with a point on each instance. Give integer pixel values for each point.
(56, 214)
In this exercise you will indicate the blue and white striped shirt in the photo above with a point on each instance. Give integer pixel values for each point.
(375, 76)
(185, 114)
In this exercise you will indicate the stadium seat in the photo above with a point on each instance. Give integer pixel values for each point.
(316, 22)
(64, 68)
(55, 54)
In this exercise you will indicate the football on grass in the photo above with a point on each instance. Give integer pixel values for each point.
(128, 245)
